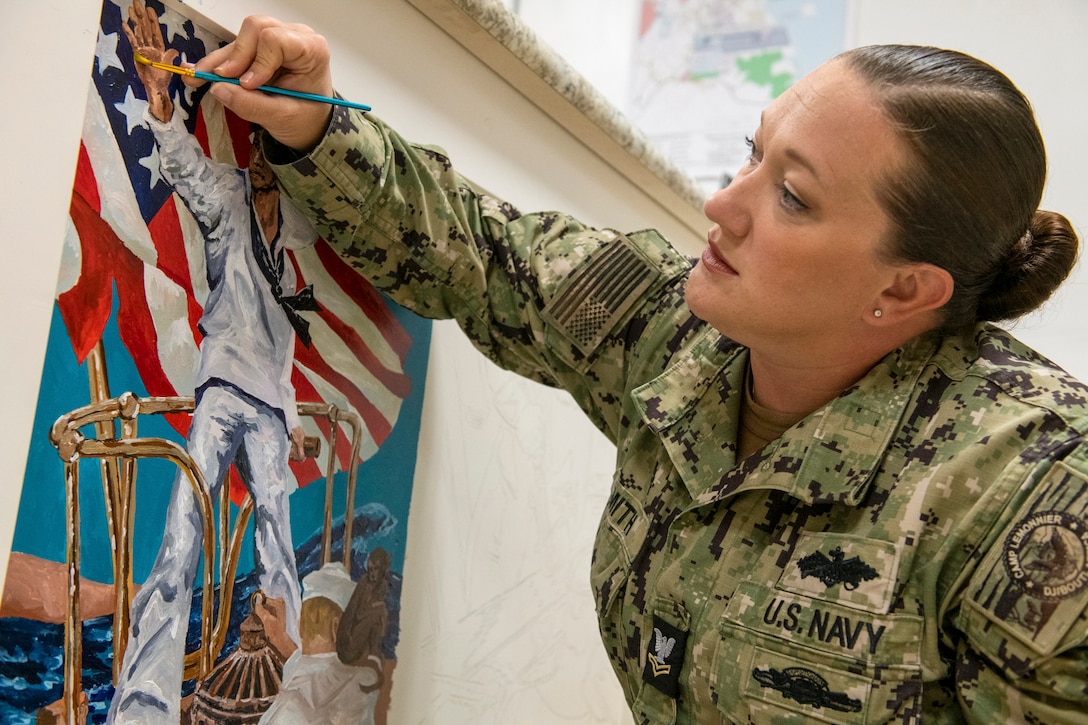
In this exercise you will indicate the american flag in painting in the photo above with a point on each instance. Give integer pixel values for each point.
(129, 235)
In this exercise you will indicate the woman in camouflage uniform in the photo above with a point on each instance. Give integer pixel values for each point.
(841, 493)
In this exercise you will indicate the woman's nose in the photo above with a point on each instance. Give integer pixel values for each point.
(728, 207)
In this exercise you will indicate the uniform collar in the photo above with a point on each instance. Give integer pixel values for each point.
(828, 457)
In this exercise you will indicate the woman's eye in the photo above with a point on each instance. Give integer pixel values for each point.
(789, 200)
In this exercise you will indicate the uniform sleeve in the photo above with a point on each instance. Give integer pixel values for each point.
(1023, 656)
(540, 294)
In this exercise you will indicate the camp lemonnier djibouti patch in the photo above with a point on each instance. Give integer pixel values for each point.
(665, 657)
(1045, 555)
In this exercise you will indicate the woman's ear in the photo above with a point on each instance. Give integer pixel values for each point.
(915, 289)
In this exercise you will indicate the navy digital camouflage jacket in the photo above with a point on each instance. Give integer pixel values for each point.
(916, 550)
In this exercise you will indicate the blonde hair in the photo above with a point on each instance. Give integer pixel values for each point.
(318, 618)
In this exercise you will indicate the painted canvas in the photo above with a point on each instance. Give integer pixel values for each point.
(213, 518)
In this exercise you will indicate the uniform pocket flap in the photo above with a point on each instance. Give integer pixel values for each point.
(786, 658)
(781, 686)
(825, 627)
(851, 570)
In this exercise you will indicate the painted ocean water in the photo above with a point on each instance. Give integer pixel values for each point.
(31, 652)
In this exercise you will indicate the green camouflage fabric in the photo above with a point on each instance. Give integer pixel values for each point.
(916, 550)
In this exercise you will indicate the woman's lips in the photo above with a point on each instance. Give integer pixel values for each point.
(715, 263)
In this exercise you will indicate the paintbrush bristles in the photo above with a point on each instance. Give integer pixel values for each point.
(163, 66)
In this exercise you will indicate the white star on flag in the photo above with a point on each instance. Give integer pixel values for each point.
(175, 26)
(151, 163)
(105, 51)
(132, 108)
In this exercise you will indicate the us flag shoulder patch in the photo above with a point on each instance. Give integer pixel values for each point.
(600, 294)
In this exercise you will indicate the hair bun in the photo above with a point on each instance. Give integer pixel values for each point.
(1035, 265)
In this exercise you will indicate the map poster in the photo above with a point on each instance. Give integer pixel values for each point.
(214, 513)
(704, 70)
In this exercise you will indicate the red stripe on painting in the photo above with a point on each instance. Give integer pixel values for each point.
(366, 297)
(306, 472)
(376, 423)
(165, 231)
(86, 307)
(86, 185)
(239, 136)
(397, 382)
(200, 132)
(137, 327)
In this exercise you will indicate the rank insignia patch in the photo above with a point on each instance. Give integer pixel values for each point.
(665, 657)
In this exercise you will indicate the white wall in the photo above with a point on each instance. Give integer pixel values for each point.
(498, 624)
(41, 130)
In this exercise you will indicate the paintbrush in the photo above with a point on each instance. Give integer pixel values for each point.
(267, 89)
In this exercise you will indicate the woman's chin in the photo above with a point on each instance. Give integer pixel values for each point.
(699, 295)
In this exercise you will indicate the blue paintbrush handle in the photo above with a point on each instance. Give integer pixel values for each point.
(283, 91)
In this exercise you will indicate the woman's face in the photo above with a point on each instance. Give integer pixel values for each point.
(793, 253)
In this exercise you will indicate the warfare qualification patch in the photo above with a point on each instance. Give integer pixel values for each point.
(836, 569)
(665, 657)
(1046, 555)
(802, 685)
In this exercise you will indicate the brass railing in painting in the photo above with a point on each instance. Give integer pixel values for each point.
(118, 455)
